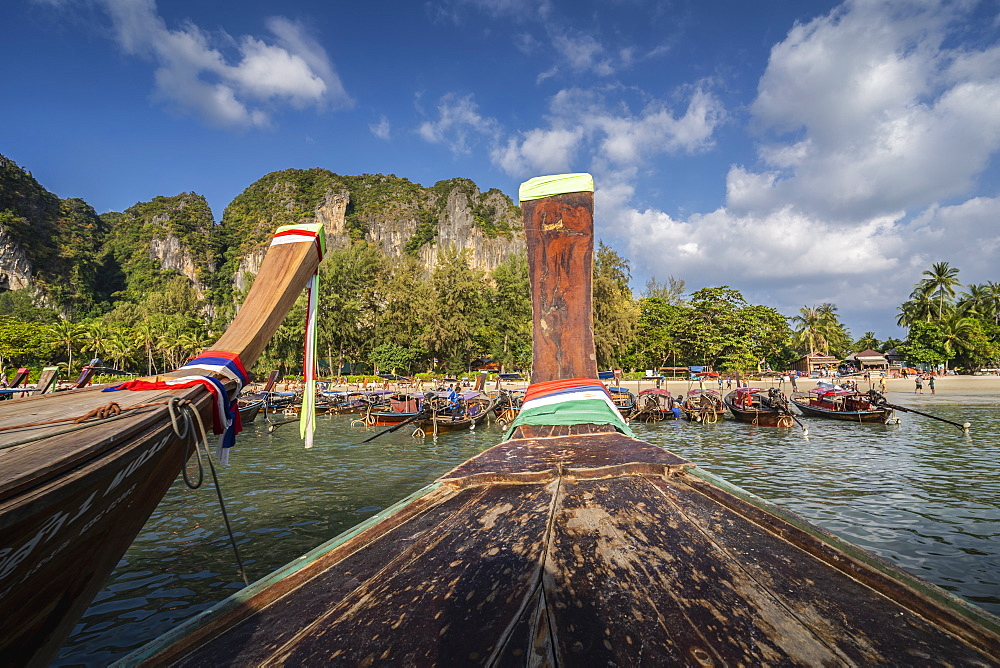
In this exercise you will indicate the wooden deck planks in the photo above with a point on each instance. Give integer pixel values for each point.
(412, 597)
(604, 450)
(850, 614)
(581, 560)
(51, 453)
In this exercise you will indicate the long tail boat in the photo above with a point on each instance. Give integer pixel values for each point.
(82, 470)
(838, 404)
(764, 408)
(654, 405)
(573, 543)
(703, 406)
(473, 409)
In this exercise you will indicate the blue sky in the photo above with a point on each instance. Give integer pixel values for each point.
(802, 152)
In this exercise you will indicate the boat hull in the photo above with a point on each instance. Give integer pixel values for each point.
(45, 584)
(761, 418)
(875, 416)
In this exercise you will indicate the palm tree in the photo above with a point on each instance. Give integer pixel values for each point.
(942, 279)
(145, 336)
(994, 291)
(976, 302)
(119, 346)
(66, 333)
(866, 342)
(957, 333)
(920, 306)
(95, 334)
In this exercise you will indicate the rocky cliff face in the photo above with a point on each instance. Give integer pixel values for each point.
(15, 269)
(172, 255)
(395, 214)
(458, 229)
(71, 258)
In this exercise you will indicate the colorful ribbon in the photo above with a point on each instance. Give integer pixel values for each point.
(567, 402)
(289, 234)
(225, 413)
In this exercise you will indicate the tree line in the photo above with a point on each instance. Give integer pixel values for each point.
(386, 314)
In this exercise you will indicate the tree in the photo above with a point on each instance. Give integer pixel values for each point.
(671, 292)
(867, 342)
(509, 330)
(615, 314)
(924, 344)
(18, 340)
(978, 302)
(66, 334)
(453, 316)
(349, 302)
(395, 359)
(819, 330)
(941, 280)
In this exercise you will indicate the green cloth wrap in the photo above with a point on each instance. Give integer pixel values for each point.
(580, 411)
(558, 184)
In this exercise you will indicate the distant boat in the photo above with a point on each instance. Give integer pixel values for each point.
(765, 408)
(703, 406)
(83, 470)
(654, 405)
(624, 399)
(250, 409)
(839, 404)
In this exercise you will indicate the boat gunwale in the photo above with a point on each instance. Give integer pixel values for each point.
(890, 575)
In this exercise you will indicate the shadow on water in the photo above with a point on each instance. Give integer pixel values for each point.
(920, 494)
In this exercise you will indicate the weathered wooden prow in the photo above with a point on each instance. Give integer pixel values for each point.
(559, 229)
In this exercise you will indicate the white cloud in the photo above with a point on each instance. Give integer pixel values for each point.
(873, 121)
(881, 115)
(381, 129)
(194, 75)
(458, 125)
(581, 122)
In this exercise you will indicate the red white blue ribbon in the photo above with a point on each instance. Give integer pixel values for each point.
(225, 413)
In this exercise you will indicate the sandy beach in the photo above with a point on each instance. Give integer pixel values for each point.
(944, 386)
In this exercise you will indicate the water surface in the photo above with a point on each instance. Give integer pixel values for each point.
(921, 494)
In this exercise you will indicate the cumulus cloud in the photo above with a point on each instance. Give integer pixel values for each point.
(195, 74)
(458, 125)
(582, 122)
(874, 123)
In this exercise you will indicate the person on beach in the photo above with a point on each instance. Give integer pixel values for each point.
(881, 384)
(919, 385)
(792, 380)
(930, 383)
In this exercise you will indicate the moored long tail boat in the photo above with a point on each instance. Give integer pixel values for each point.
(573, 543)
(837, 404)
(764, 408)
(73, 495)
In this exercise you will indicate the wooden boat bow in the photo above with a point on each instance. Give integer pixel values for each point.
(73, 496)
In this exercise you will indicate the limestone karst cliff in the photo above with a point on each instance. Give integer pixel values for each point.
(70, 258)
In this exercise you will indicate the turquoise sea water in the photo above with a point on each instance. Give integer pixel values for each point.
(920, 494)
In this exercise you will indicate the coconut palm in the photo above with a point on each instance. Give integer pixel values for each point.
(919, 307)
(976, 302)
(119, 346)
(819, 329)
(941, 280)
(957, 332)
(867, 342)
(144, 334)
(66, 333)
